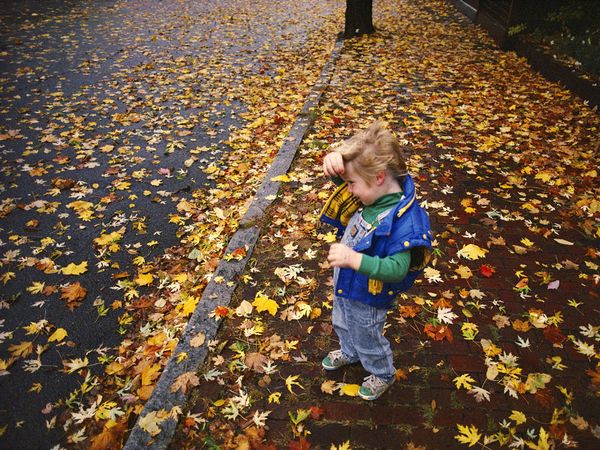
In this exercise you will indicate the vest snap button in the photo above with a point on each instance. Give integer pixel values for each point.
(340, 291)
(406, 244)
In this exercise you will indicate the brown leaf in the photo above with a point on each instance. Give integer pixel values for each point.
(328, 387)
(438, 332)
(442, 303)
(185, 381)
(63, 183)
(316, 412)
(256, 361)
(73, 294)
(109, 438)
(255, 437)
(553, 334)
(519, 325)
(408, 311)
(411, 446)
(595, 374)
(401, 375)
(544, 397)
(300, 444)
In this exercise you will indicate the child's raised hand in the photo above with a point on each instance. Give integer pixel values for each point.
(341, 255)
(333, 164)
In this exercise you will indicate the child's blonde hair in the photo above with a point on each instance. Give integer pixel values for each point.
(373, 150)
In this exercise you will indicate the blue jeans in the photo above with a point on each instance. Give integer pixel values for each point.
(360, 330)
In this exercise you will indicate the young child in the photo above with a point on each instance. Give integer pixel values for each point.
(385, 245)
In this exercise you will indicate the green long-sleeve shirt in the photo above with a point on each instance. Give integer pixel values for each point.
(392, 268)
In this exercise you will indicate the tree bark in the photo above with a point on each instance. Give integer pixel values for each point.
(359, 18)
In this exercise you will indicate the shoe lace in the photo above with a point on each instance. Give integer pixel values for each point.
(374, 383)
(336, 355)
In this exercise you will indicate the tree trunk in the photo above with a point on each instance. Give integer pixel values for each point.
(359, 18)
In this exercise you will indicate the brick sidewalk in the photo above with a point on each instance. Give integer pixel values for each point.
(505, 161)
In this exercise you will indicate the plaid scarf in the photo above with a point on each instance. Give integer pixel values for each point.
(341, 206)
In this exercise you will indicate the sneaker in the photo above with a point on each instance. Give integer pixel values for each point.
(373, 387)
(335, 359)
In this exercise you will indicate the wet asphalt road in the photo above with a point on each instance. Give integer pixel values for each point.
(69, 72)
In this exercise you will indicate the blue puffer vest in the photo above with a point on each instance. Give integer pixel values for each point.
(406, 227)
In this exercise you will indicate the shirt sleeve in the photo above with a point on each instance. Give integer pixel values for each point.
(390, 269)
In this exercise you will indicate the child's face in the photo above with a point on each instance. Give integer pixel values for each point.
(366, 193)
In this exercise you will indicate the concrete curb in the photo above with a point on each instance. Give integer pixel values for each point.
(220, 294)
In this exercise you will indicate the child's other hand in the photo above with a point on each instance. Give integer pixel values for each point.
(333, 164)
(341, 255)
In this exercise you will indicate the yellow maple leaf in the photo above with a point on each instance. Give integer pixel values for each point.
(189, 305)
(122, 185)
(150, 421)
(469, 330)
(109, 240)
(518, 417)
(58, 335)
(542, 443)
(544, 176)
(36, 327)
(36, 287)
(144, 279)
(464, 380)
(472, 252)
(342, 446)
(181, 278)
(468, 435)
(75, 269)
(282, 178)
(330, 237)
(263, 303)
(211, 168)
(150, 373)
(113, 368)
(526, 242)
(464, 272)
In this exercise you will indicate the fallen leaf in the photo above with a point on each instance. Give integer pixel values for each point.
(73, 294)
(256, 361)
(472, 252)
(185, 382)
(58, 335)
(75, 269)
(351, 390)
